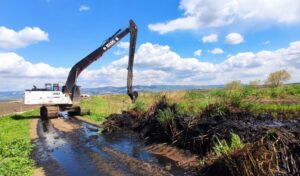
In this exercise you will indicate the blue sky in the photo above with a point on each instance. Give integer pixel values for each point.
(60, 33)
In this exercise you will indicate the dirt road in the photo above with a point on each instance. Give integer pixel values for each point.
(71, 147)
(8, 107)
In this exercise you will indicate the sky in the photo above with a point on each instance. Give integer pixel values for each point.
(180, 42)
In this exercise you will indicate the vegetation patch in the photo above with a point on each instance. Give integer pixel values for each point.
(220, 135)
(15, 145)
(223, 148)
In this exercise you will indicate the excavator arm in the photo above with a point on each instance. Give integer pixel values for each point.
(73, 90)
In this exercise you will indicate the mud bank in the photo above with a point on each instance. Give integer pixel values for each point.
(272, 146)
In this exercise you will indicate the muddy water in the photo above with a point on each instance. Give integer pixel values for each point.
(83, 151)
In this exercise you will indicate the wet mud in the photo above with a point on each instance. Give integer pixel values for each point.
(72, 147)
(272, 146)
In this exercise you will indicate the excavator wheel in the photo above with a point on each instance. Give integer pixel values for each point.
(49, 112)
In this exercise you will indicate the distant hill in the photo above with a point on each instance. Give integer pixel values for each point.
(152, 88)
(18, 95)
(11, 95)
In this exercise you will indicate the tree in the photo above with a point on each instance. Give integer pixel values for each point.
(277, 78)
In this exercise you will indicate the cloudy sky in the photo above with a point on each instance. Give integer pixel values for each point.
(180, 42)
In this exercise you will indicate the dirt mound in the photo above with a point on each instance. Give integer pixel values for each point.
(183, 158)
(272, 146)
(276, 153)
(130, 120)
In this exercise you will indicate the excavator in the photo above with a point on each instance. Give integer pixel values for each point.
(55, 98)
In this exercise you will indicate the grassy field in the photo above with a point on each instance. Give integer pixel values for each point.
(15, 145)
(282, 100)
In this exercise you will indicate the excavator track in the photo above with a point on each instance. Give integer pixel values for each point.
(49, 112)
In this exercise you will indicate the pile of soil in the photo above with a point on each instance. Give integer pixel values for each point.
(272, 146)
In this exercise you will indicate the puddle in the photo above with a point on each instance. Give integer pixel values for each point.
(84, 151)
(73, 161)
(129, 143)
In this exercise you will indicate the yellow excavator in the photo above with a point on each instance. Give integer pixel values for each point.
(55, 98)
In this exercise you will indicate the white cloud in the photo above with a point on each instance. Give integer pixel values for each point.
(123, 45)
(210, 38)
(122, 48)
(198, 52)
(217, 51)
(267, 42)
(13, 65)
(234, 38)
(10, 39)
(156, 64)
(84, 8)
(206, 13)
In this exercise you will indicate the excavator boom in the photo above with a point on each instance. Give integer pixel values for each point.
(73, 90)
(54, 100)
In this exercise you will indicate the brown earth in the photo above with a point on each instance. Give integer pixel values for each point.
(9, 107)
(64, 126)
(183, 158)
(272, 146)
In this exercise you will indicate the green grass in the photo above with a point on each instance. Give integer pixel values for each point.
(139, 105)
(192, 102)
(195, 94)
(15, 145)
(165, 116)
(223, 148)
(98, 107)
